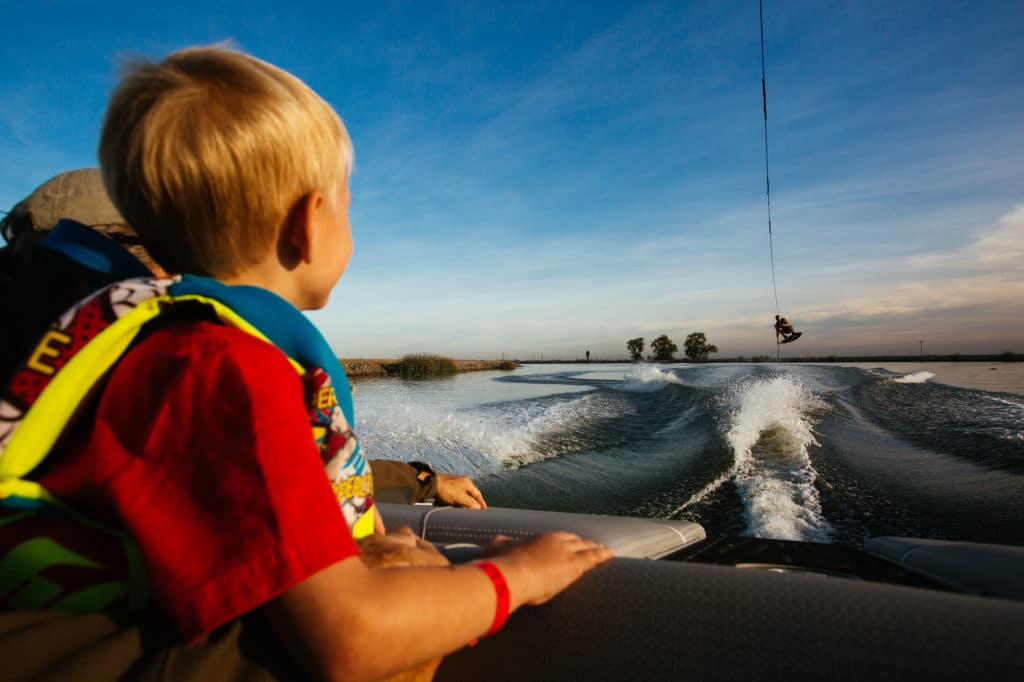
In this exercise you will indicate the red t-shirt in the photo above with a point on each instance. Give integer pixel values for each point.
(201, 447)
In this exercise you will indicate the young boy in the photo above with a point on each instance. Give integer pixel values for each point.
(40, 279)
(200, 442)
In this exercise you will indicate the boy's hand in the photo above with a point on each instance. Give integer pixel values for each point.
(544, 565)
(400, 547)
(498, 545)
(459, 491)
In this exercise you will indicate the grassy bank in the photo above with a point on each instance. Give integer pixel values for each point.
(424, 366)
(379, 367)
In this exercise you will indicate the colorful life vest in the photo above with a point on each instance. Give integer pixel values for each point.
(56, 558)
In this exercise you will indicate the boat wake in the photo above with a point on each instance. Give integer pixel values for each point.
(915, 378)
(646, 378)
(481, 441)
(769, 429)
(802, 452)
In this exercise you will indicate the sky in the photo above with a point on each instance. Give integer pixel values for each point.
(543, 179)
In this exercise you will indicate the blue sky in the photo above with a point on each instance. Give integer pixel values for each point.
(559, 177)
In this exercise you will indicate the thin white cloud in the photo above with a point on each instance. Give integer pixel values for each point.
(1002, 246)
(973, 290)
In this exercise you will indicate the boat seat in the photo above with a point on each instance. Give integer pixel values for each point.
(630, 619)
(972, 567)
(636, 538)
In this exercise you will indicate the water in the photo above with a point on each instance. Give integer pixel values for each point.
(824, 453)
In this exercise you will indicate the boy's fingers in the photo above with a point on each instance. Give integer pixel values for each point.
(564, 535)
(497, 543)
(588, 552)
(588, 549)
(432, 555)
(400, 536)
(595, 555)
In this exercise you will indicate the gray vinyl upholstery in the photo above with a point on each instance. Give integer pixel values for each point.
(977, 568)
(664, 620)
(628, 537)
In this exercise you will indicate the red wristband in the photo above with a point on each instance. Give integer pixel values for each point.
(500, 591)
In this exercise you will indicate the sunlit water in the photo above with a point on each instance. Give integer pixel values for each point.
(825, 453)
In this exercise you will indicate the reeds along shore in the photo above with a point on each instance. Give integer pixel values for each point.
(419, 366)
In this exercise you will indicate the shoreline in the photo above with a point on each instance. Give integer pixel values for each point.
(360, 368)
(1006, 356)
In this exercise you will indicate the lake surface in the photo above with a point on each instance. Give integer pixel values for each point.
(818, 452)
(1006, 377)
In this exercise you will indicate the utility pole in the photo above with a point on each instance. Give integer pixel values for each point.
(922, 350)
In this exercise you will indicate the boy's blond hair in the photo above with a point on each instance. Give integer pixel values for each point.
(206, 152)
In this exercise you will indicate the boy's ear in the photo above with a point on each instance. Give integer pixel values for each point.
(300, 233)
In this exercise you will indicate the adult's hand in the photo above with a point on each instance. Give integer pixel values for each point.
(459, 491)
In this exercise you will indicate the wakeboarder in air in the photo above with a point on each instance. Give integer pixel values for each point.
(784, 329)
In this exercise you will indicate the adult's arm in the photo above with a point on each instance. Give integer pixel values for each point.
(400, 482)
(408, 483)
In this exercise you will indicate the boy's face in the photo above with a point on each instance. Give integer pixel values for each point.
(336, 242)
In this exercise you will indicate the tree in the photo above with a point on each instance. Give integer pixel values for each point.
(663, 349)
(697, 347)
(636, 348)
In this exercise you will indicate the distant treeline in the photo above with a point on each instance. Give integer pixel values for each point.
(663, 349)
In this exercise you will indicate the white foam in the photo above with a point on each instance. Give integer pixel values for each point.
(1011, 415)
(915, 378)
(769, 429)
(473, 441)
(704, 492)
(645, 378)
(1011, 403)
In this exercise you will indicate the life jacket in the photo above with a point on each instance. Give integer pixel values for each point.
(42, 274)
(55, 557)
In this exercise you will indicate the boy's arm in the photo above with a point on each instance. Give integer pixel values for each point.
(346, 621)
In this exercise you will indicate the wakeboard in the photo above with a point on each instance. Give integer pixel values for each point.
(792, 337)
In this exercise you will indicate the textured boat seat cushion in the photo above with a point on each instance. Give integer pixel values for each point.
(666, 620)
